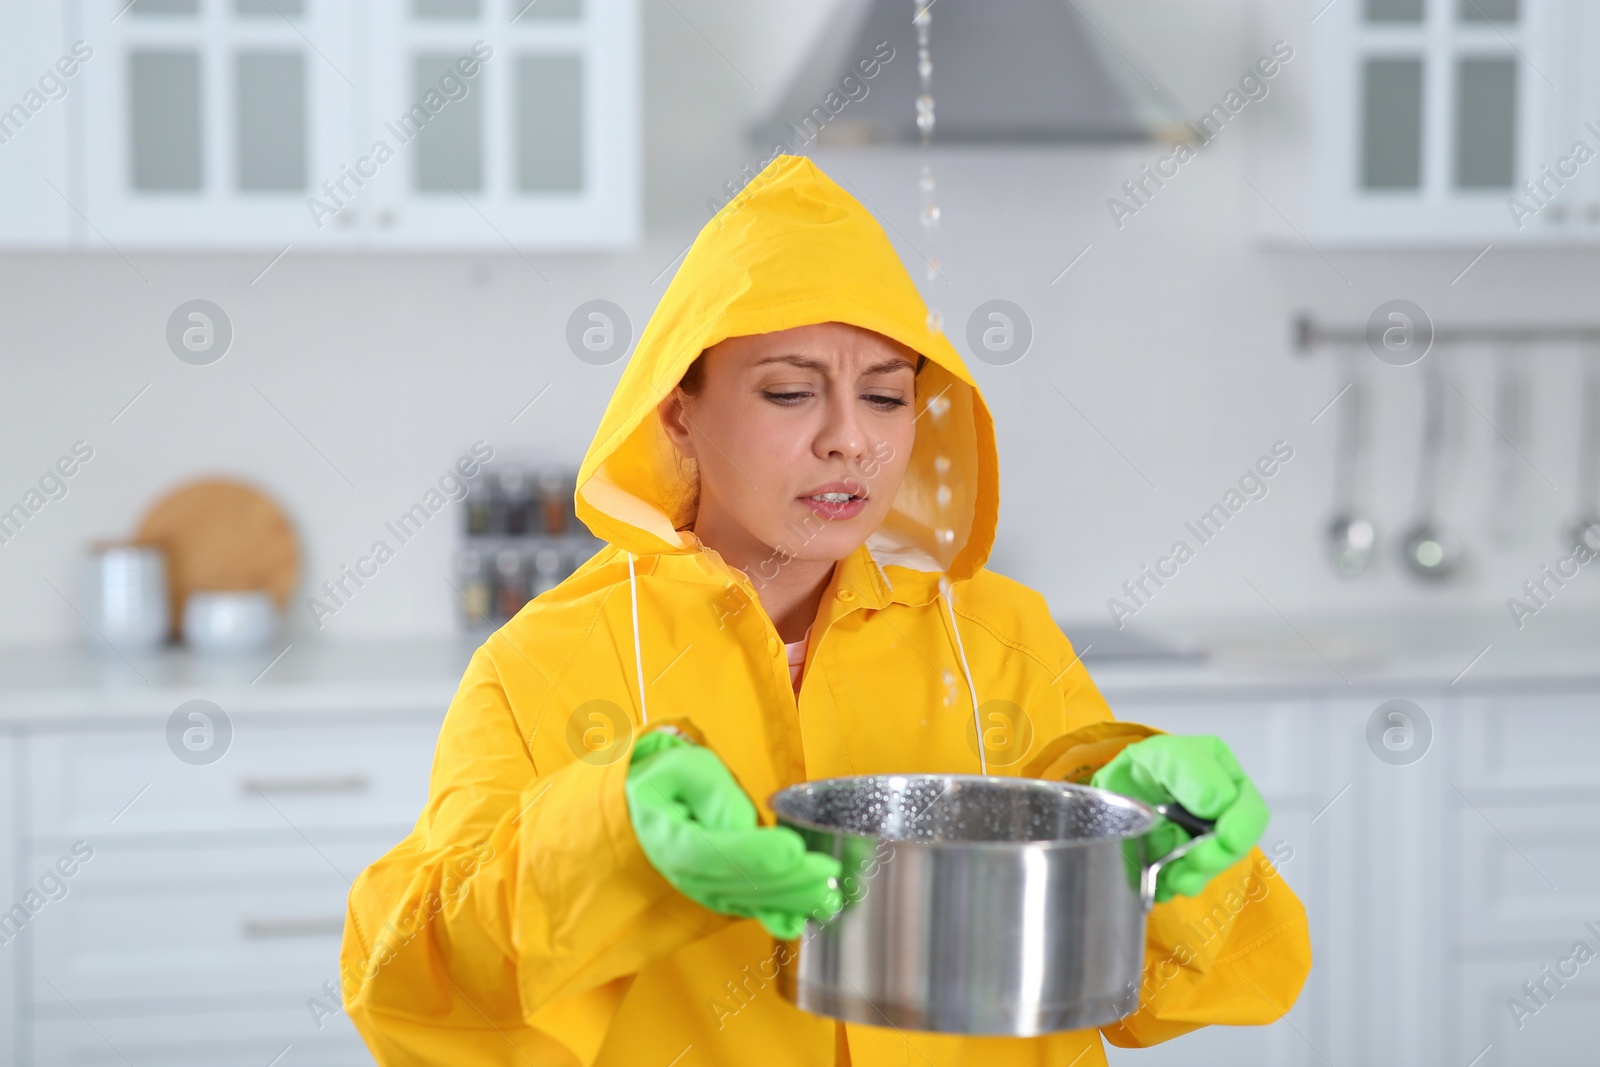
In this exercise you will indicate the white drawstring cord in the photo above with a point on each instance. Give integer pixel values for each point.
(638, 654)
(977, 722)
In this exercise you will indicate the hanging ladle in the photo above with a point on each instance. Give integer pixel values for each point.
(1351, 535)
(1585, 529)
(1510, 421)
(1429, 552)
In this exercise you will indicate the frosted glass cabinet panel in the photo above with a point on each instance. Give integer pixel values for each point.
(326, 123)
(269, 121)
(1391, 123)
(1454, 121)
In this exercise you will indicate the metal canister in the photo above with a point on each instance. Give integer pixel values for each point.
(127, 601)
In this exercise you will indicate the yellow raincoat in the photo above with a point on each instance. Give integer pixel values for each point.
(520, 923)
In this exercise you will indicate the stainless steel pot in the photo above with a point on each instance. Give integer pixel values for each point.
(976, 905)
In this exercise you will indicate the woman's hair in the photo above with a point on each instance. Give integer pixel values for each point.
(695, 376)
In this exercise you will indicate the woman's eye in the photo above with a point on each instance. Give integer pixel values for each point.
(785, 398)
(886, 402)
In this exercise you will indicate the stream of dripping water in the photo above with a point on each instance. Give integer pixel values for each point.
(938, 407)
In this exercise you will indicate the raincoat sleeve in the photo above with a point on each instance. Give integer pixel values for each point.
(507, 926)
(1238, 953)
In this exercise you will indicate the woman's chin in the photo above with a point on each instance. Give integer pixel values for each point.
(826, 546)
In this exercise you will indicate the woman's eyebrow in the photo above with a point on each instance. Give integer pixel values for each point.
(811, 363)
(889, 365)
(804, 362)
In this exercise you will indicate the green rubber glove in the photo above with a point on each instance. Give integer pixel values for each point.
(1201, 774)
(700, 831)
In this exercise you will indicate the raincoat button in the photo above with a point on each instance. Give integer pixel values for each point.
(772, 646)
(846, 595)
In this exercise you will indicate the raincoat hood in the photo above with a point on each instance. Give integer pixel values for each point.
(794, 249)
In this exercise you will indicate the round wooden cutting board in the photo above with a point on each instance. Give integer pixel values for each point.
(221, 534)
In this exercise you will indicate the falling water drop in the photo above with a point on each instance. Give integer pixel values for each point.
(939, 406)
(925, 123)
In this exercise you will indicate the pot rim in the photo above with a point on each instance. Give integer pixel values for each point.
(1105, 795)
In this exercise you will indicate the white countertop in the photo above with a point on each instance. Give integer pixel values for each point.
(53, 683)
(1325, 657)
(1386, 654)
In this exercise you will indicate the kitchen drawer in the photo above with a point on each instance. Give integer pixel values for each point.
(1532, 741)
(1561, 1034)
(1268, 739)
(273, 776)
(251, 1038)
(1526, 872)
(188, 927)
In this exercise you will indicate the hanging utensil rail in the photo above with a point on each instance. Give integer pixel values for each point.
(1310, 334)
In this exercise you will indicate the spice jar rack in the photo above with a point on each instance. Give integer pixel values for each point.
(520, 540)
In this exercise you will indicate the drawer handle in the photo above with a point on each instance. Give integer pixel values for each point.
(315, 926)
(330, 783)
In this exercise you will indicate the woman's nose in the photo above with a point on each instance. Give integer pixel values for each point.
(842, 431)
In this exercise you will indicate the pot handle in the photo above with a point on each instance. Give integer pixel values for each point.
(1199, 830)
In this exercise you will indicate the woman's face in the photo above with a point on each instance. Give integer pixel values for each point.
(779, 420)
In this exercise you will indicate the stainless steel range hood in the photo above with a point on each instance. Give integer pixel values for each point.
(1004, 71)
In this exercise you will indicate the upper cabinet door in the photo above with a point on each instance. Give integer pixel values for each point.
(212, 122)
(44, 71)
(1440, 121)
(501, 123)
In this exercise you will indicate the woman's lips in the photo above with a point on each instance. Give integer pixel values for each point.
(834, 509)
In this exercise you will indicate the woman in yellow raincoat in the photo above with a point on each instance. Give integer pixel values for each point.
(522, 921)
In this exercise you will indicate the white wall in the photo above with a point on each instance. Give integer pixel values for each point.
(1170, 336)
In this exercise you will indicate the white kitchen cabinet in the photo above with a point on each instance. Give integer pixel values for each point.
(1560, 1034)
(1524, 858)
(182, 928)
(1531, 743)
(12, 972)
(210, 122)
(1526, 872)
(1427, 116)
(1388, 847)
(238, 1038)
(327, 124)
(36, 180)
(210, 907)
(280, 774)
(542, 140)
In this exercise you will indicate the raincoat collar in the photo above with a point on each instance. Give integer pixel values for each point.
(795, 249)
(866, 583)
